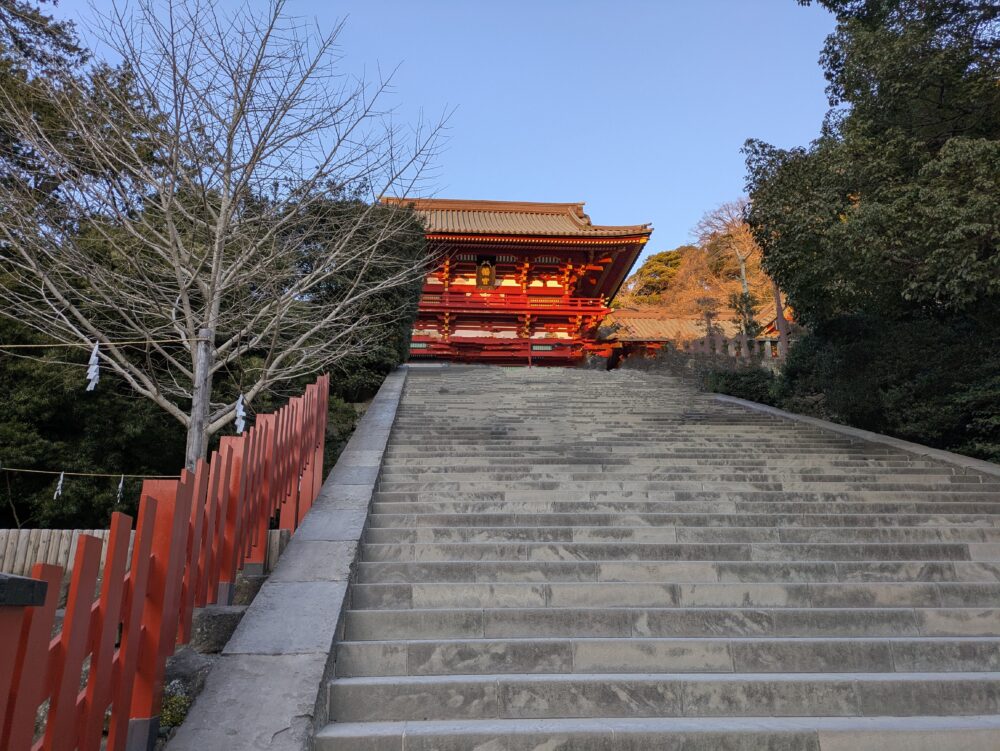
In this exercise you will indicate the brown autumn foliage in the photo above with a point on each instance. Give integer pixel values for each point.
(687, 281)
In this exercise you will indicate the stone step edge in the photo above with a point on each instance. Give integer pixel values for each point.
(477, 679)
(979, 732)
(442, 612)
(798, 640)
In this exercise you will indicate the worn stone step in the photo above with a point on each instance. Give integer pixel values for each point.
(690, 506)
(974, 733)
(388, 572)
(526, 696)
(744, 495)
(430, 595)
(639, 551)
(610, 475)
(381, 625)
(607, 519)
(679, 533)
(566, 486)
(642, 463)
(678, 655)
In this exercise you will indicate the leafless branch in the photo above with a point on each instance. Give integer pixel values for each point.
(192, 182)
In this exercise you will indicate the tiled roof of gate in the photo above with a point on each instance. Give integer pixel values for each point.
(449, 216)
(643, 326)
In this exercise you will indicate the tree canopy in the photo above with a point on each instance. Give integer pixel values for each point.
(885, 231)
(892, 211)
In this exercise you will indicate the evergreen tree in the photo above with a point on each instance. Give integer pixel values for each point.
(885, 231)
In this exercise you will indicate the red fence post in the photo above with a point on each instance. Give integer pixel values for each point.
(230, 522)
(318, 439)
(160, 614)
(127, 657)
(198, 488)
(31, 664)
(258, 506)
(69, 649)
(219, 501)
(104, 624)
(12, 620)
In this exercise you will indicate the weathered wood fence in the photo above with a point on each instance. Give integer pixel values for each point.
(125, 617)
(20, 549)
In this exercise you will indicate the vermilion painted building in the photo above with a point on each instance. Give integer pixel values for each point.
(516, 282)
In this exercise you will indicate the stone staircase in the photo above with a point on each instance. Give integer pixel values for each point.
(570, 559)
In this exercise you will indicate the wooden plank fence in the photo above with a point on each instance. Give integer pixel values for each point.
(132, 594)
(21, 549)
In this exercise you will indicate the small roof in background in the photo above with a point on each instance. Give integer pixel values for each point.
(654, 326)
(450, 216)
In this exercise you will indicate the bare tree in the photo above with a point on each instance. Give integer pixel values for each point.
(216, 199)
(726, 228)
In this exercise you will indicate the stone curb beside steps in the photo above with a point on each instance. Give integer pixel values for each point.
(948, 457)
(265, 690)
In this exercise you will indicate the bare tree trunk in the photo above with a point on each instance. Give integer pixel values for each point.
(201, 395)
(780, 319)
(743, 274)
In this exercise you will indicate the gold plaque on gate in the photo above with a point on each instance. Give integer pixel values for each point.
(486, 275)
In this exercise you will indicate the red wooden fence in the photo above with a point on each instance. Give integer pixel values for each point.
(192, 536)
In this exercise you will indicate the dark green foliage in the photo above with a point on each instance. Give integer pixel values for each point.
(32, 40)
(342, 418)
(33, 47)
(885, 232)
(893, 210)
(654, 277)
(931, 382)
(389, 313)
(48, 421)
(745, 305)
(753, 383)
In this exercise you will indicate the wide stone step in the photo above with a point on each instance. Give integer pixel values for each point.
(623, 655)
(525, 696)
(640, 551)
(381, 625)
(974, 733)
(515, 505)
(745, 495)
(691, 485)
(679, 533)
(602, 476)
(388, 572)
(534, 462)
(638, 449)
(689, 595)
(689, 520)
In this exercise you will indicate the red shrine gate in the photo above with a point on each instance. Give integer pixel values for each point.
(516, 282)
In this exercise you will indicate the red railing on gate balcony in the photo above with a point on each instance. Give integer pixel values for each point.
(192, 536)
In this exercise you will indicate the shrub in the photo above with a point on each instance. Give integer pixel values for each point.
(748, 382)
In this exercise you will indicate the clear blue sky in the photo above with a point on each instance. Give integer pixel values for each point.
(638, 107)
